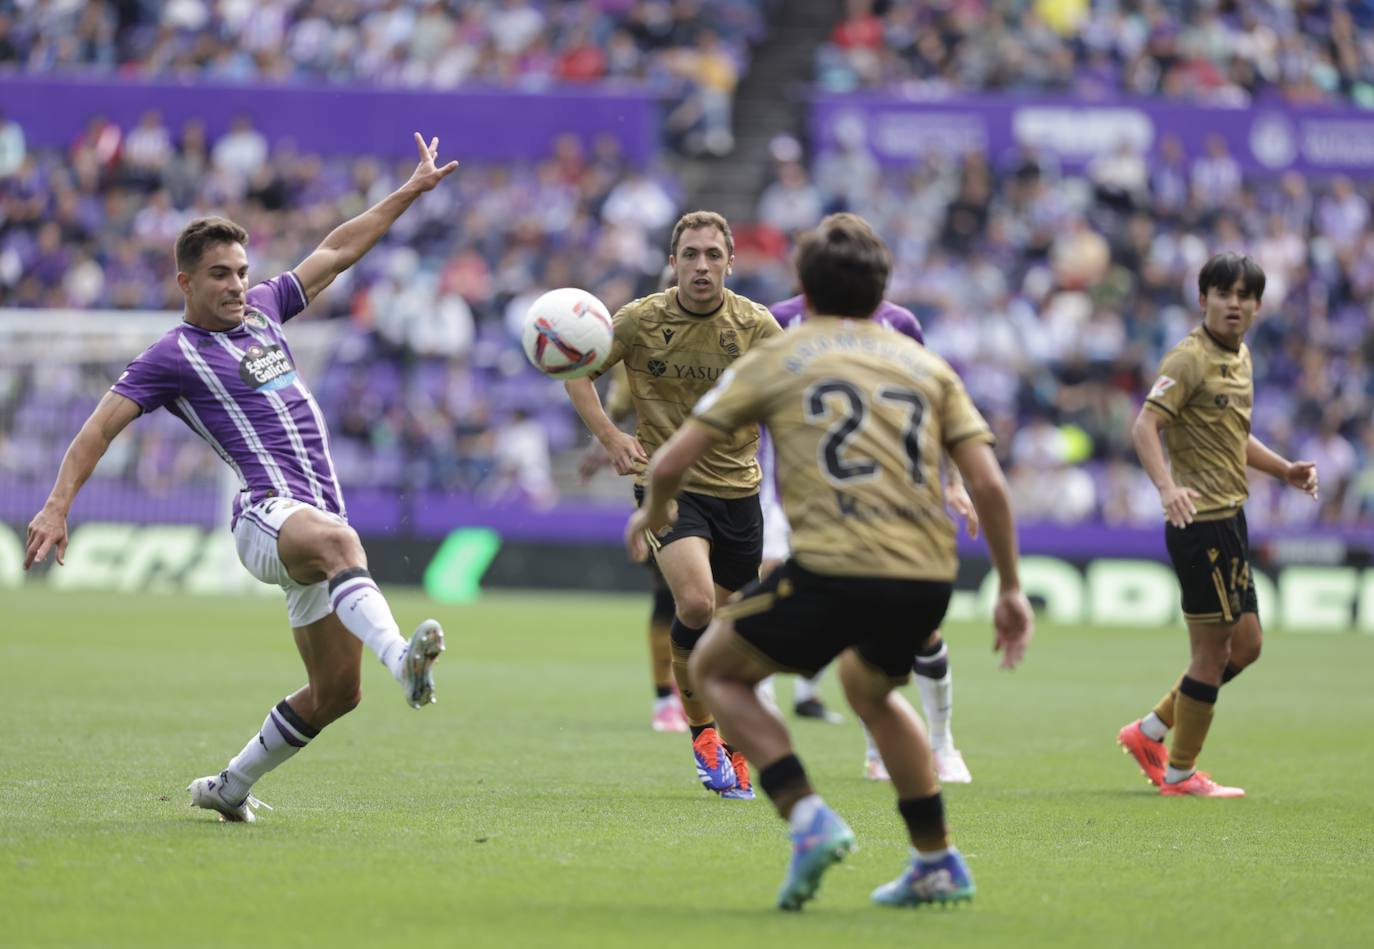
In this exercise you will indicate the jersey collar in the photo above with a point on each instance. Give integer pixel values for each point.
(678, 304)
(1218, 342)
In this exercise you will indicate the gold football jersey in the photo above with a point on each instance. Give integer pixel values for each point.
(860, 418)
(673, 357)
(1205, 392)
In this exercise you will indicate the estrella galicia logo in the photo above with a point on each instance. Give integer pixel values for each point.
(255, 319)
(266, 368)
(729, 341)
(657, 367)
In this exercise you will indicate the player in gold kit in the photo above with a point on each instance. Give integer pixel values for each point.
(1202, 401)
(667, 715)
(860, 417)
(675, 345)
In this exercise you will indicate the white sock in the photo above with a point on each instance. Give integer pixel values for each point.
(1153, 727)
(283, 734)
(767, 692)
(1174, 775)
(806, 689)
(363, 610)
(804, 812)
(871, 751)
(937, 701)
(931, 856)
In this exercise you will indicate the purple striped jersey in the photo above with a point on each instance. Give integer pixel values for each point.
(792, 311)
(239, 390)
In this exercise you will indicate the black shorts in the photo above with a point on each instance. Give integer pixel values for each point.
(733, 527)
(799, 621)
(1212, 560)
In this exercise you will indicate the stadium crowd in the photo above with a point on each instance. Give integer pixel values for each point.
(690, 52)
(1056, 294)
(1218, 52)
(430, 363)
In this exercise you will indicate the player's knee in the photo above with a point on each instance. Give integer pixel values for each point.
(865, 691)
(339, 549)
(695, 608)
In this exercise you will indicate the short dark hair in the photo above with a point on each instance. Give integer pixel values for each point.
(202, 233)
(1223, 270)
(695, 219)
(843, 266)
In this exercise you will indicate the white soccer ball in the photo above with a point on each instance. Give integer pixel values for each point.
(567, 333)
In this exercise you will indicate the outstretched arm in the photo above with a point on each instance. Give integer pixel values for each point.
(1012, 617)
(48, 529)
(1298, 474)
(347, 243)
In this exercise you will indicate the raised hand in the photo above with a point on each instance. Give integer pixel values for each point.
(427, 174)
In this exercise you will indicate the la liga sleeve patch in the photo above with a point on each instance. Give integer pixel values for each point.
(1162, 385)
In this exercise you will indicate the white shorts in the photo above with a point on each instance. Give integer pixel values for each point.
(777, 533)
(255, 537)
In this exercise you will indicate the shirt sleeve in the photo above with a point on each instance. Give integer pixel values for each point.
(624, 329)
(152, 380)
(960, 419)
(280, 298)
(768, 326)
(738, 397)
(1177, 381)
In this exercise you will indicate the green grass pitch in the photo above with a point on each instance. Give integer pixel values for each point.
(533, 806)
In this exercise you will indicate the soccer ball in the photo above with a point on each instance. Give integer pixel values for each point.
(567, 333)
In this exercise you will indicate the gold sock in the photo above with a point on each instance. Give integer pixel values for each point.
(697, 712)
(1164, 711)
(1194, 718)
(661, 655)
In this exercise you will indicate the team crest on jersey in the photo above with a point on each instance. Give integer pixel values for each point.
(657, 367)
(255, 319)
(1221, 401)
(729, 341)
(266, 368)
(1162, 385)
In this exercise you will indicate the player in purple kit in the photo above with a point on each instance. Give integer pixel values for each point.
(933, 677)
(227, 371)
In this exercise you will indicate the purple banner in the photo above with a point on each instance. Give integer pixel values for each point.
(1268, 138)
(345, 120)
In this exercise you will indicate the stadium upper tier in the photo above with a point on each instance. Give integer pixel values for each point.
(1222, 53)
(691, 52)
(395, 42)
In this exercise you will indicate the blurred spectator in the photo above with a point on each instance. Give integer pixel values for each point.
(520, 458)
(791, 203)
(1222, 53)
(12, 148)
(241, 151)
